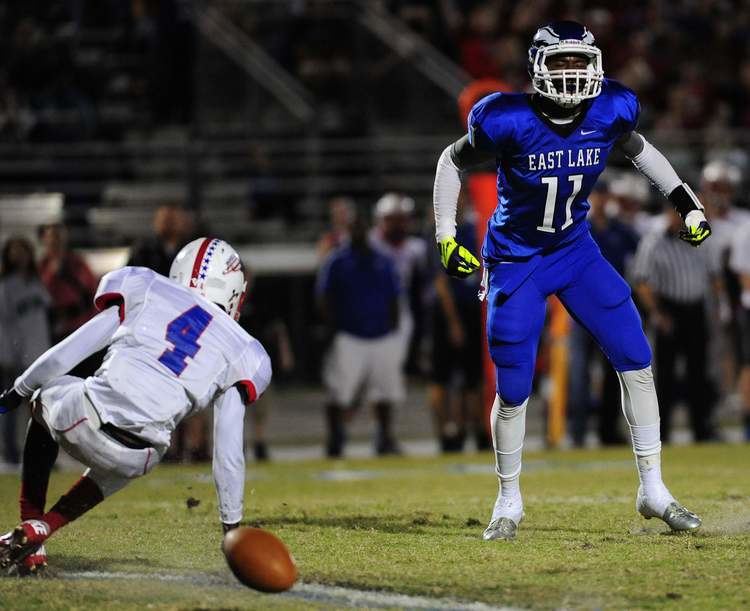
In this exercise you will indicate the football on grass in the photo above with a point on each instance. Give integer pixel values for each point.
(259, 559)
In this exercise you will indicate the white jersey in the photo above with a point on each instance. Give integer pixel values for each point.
(739, 258)
(723, 230)
(409, 257)
(173, 354)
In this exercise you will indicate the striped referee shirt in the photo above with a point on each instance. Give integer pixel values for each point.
(672, 268)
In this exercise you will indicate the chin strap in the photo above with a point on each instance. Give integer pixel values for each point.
(553, 111)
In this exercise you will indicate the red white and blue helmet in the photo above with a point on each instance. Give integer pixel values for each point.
(212, 268)
(567, 88)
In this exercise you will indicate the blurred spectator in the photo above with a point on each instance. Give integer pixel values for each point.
(455, 393)
(629, 198)
(341, 212)
(673, 280)
(24, 327)
(358, 293)
(173, 228)
(391, 236)
(740, 264)
(71, 82)
(264, 323)
(618, 243)
(69, 281)
(720, 181)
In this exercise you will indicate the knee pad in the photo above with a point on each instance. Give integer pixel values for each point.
(514, 365)
(633, 352)
(513, 385)
(636, 354)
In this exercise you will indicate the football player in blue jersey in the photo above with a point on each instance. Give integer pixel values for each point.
(549, 148)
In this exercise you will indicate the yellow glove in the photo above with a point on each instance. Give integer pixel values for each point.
(457, 260)
(696, 229)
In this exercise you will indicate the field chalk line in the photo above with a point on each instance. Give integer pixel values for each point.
(309, 592)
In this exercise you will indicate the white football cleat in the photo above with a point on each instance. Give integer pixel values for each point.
(676, 516)
(501, 528)
(506, 516)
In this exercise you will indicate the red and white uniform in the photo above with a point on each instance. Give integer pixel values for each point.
(170, 384)
(170, 352)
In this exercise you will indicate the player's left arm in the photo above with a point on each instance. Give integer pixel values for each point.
(229, 456)
(654, 165)
(95, 335)
(249, 376)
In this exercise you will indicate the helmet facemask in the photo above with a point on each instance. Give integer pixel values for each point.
(567, 87)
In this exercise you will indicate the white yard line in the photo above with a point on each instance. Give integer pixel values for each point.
(308, 592)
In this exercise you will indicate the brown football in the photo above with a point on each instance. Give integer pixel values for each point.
(259, 559)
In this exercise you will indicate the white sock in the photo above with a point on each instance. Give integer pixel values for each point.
(641, 408)
(508, 431)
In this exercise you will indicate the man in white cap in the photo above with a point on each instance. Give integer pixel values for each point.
(390, 236)
(719, 188)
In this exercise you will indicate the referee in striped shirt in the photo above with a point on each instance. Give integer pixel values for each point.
(673, 280)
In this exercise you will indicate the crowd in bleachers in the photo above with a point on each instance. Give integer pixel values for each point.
(84, 69)
(688, 61)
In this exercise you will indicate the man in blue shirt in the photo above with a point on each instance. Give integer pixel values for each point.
(358, 291)
(549, 149)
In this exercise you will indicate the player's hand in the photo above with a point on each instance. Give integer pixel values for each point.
(9, 400)
(457, 260)
(696, 229)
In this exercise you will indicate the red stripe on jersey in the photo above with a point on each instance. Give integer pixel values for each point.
(74, 425)
(103, 301)
(199, 260)
(252, 394)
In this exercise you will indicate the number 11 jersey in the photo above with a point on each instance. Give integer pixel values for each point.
(173, 354)
(545, 171)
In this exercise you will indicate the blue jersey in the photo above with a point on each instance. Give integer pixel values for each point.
(545, 172)
(362, 288)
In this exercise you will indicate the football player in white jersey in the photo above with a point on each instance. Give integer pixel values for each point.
(173, 348)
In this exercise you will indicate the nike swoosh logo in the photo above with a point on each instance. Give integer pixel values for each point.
(586, 133)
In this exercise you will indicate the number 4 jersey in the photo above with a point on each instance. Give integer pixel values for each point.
(173, 353)
(545, 171)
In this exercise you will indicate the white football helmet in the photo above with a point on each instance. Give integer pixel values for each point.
(212, 268)
(393, 203)
(567, 88)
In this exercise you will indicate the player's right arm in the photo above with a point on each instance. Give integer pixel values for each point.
(95, 335)
(119, 292)
(471, 150)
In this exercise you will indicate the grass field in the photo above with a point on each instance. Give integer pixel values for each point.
(412, 526)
